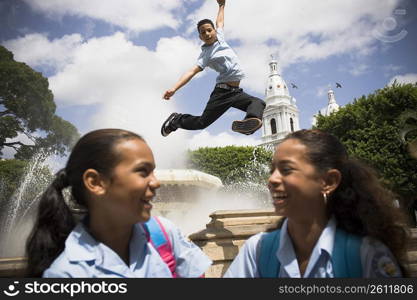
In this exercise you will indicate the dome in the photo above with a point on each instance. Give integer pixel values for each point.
(332, 106)
(276, 86)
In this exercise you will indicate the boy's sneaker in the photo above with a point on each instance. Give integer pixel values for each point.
(247, 126)
(168, 125)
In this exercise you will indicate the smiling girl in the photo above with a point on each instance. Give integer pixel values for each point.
(111, 173)
(338, 220)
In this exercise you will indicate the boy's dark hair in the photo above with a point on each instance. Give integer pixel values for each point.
(204, 21)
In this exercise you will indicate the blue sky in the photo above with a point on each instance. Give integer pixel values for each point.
(109, 62)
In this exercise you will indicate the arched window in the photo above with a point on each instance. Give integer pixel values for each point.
(292, 125)
(273, 126)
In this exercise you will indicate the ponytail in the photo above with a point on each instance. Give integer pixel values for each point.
(53, 224)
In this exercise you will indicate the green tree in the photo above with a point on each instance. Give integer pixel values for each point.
(372, 128)
(27, 107)
(10, 172)
(409, 131)
(232, 164)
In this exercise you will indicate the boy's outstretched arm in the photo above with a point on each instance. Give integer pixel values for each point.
(220, 14)
(182, 81)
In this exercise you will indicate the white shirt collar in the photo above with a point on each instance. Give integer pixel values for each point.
(286, 253)
(81, 246)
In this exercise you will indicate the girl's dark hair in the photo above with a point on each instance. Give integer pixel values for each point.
(360, 203)
(54, 222)
(204, 21)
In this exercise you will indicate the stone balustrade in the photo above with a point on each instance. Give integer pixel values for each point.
(226, 233)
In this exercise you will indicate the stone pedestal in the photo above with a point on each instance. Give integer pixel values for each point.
(227, 232)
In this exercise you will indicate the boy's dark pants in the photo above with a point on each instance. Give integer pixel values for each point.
(220, 101)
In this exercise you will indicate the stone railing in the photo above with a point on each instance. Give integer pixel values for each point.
(12, 267)
(226, 233)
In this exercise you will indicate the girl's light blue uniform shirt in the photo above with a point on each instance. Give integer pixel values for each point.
(86, 257)
(376, 258)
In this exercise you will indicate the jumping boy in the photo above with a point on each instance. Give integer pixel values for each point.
(218, 55)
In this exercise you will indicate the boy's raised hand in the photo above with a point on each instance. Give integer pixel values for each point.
(169, 93)
(221, 2)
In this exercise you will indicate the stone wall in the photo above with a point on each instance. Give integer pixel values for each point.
(227, 232)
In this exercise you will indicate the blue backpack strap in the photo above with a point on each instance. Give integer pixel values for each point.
(354, 244)
(155, 232)
(268, 263)
(346, 255)
(158, 237)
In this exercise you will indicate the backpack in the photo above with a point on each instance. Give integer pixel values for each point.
(158, 237)
(346, 260)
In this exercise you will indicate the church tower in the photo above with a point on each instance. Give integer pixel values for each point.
(281, 113)
(332, 106)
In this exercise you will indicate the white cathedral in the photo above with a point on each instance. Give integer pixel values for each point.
(281, 115)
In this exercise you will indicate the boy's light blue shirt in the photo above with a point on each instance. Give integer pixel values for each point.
(376, 258)
(221, 58)
(86, 257)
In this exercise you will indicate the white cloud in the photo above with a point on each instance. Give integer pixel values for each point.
(126, 82)
(36, 50)
(133, 15)
(122, 71)
(391, 69)
(359, 69)
(406, 78)
(205, 139)
(299, 30)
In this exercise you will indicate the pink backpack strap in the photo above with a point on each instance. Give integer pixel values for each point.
(158, 237)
